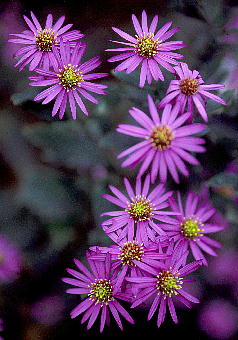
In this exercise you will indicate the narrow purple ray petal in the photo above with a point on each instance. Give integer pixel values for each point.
(80, 103)
(153, 24)
(93, 316)
(212, 96)
(162, 30)
(124, 35)
(82, 307)
(36, 61)
(133, 148)
(58, 23)
(143, 73)
(162, 312)
(137, 25)
(189, 268)
(30, 24)
(72, 104)
(121, 56)
(64, 29)
(118, 193)
(198, 255)
(49, 21)
(115, 314)
(168, 98)
(154, 306)
(206, 248)
(172, 310)
(129, 188)
(52, 95)
(169, 33)
(200, 108)
(186, 156)
(135, 62)
(188, 296)
(115, 200)
(103, 318)
(144, 22)
(123, 312)
(36, 22)
(58, 102)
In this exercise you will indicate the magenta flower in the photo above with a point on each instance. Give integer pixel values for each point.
(166, 285)
(219, 319)
(141, 211)
(48, 310)
(197, 218)
(147, 48)
(102, 293)
(190, 90)
(166, 142)
(69, 78)
(10, 260)
(132, 258)
(40, 42)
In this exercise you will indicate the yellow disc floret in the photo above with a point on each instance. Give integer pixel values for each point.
(131, 251)
(70, 77)
(191, 228)
(189, 86)
(45, 39)
(140, 209)
(101, 291)
(147, 46)
(161, 137)
(168, 283)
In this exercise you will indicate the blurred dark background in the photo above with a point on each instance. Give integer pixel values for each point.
(53, 173)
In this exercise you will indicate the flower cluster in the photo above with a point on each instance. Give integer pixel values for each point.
(152, 236)
(153, 230)
(55, 54)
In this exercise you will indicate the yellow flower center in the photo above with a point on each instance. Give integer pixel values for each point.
(168, 283)
(45, 39)
(70, 77)
(140, 209)
(147, 46)
(101, 291)
(131, 251)
(189, 86)
(191, 228)
(161, 137)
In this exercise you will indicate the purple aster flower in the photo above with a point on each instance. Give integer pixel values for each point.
(219, 319)
(165, 144)
(223, 269)
(68, 80)
(147, 48)
(132, 258)
(48, 310)
(102, 293)
(40, 41)
(141, 211)
(166, 285)
(10, 260)
(189, 89)
(197, 217)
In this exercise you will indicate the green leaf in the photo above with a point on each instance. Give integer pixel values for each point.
(65, 143)
(43, 192)
(224, 179)
(21, 97)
